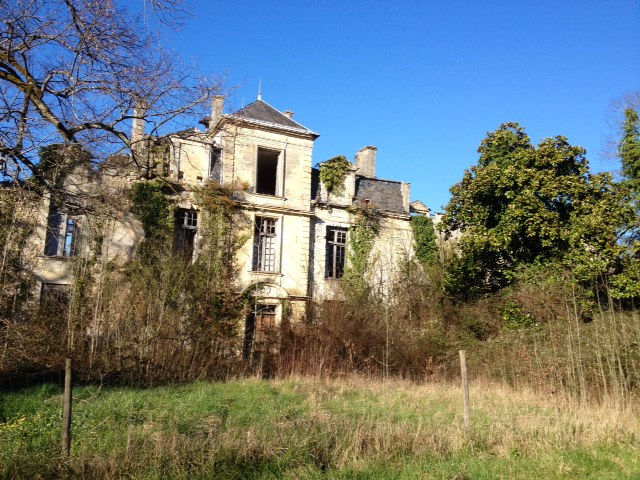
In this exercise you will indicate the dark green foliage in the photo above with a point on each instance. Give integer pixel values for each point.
(630, 147)
(627, 283)
(333, 172)
(424, 237)
(362, 237)
(524, 205)
(152, 207)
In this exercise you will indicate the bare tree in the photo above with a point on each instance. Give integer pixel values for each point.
(72, 71)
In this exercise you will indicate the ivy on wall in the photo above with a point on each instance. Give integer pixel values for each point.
(333, 173)
(152, 207)
(362, 237)
(424, 238)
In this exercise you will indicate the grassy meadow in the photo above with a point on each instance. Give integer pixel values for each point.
(306, 428)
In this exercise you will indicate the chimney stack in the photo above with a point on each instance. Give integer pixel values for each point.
(288, 114)
(366, 161)
(217, 109)
(139, 121)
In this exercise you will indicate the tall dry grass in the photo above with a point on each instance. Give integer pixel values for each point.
(308, 427)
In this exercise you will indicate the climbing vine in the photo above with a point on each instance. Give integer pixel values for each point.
(333, 172)
(152, 207)
(424, 238)
(362, 236)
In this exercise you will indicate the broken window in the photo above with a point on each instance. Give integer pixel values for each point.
(260, 323)
(336, 251)
(215, 164)
(186, 230)
(267, 171)
(264, 245)
(62, 236)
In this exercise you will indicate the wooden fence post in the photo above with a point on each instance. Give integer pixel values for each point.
(465, 389)
(66, 416)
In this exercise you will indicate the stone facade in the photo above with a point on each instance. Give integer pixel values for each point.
(298, 248)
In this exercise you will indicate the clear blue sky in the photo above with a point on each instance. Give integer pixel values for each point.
(424, 80)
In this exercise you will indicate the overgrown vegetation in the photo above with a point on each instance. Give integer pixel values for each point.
(150, 204)
(17, 222)
(312, 428)
(356, 282)
(424, 237)
(333, 173)
(160, 317)
(525, 205)
(539, 285)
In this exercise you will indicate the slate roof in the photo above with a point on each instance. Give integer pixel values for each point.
(262, 113)
(382, 194)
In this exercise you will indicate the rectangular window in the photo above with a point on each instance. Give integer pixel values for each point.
(62, 236)
(264, 245)
(336, 251)
(215, 164)
(267, 171)
(186, 230)
(260, 323)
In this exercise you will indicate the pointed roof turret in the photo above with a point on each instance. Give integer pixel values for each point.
(261, 113)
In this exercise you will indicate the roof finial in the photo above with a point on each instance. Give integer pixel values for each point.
(260, 89)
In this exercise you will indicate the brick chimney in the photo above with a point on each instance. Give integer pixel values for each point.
(217, 109)
(139, 121)
(366, 161)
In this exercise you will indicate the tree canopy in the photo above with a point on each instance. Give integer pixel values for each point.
(524, 204)
(630, 147)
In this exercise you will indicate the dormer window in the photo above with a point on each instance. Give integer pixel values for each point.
(267, 171)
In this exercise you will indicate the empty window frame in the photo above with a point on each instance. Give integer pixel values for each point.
(62, 236)
(267, 171)
(186, 231)
(259, 324)
(215, 164)
(336, 252)
(264, 245)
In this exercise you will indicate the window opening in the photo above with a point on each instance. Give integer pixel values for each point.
(336, 251)
(215, 164)
(186, 230)
(267, 171)
(264, 245)
(258, 325)
(62, 235)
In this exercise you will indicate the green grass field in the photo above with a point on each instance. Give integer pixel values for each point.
(301, 428)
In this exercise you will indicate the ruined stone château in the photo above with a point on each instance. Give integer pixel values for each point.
(298, 249)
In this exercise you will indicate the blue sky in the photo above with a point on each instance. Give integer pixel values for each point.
(424, 81)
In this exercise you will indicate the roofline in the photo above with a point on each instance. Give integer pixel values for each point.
(232, 118)
(267, 103)
(380, 179)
